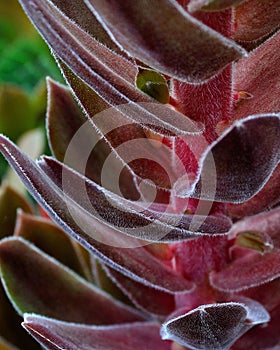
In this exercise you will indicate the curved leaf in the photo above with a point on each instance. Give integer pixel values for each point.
(35, 282)
(240, 168)
(166, 38)
(214, 326)
(256, 18)
(136, 263)
(55, 335)
(257, 75)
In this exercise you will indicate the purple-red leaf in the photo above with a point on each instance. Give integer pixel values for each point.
(214, 326)
(107, 73)
(50, 238)
(238, 168)
(253, 268)
(37, 283)
(79, 13)
(268, 197)
(130, 218)
(146, 298)
(136, 263)
(256, 18)
(258, 76)
(55, 335)
(165, 37)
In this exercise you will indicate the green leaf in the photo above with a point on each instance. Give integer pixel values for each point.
(153, 84)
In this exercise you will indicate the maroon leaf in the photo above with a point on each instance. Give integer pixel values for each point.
(127, 216)
(50, 238)
(35, 282)
(214, 326)
(252, 270)
(166, 38)
(262, 337)
(107, 73)
(268, 196)
(10, 202)
(238, 168)
(55, 335)
(256, 18)
(64, 118)
(257, 76)
(146, 298)
(79, 13)
(136, 263)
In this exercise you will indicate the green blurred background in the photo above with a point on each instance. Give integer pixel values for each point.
(25, 61)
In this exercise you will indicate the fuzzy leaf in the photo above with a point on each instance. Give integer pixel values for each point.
(240, 168)
(253, 268)
(166, 38)
(10, 201)
(36, 283)
(107, 73)
(214, 326)
(55, 335)
(45, 235)
(127, 216)
(79, 13)
(256, 18)
(136, 263)
(268, 197)
(146, 298)
(258, 75)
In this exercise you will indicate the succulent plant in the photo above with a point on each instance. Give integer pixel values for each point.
(165, 170)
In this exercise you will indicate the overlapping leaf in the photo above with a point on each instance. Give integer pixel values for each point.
(136, 263)
(55, 335)
(256, 18)
(177, 46)
(239, 168)
(35, 282)
(253, 268)
(258, 76)
(215, 326)
(127, 216)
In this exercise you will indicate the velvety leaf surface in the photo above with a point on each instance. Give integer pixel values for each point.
(258, 75)
(268, 197)
(211, 5)
(215, 326)
(47, 236)
(107, 73)
(36, 283)
(136, 263)
(62, 108)
(256, 18)
(177, 44)
(64, 118)
(146, 298)
(126, 216)
(253, 268)
(262, 337)
(10, 201)
(79, 13)
(55, 335)
(240, 168)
